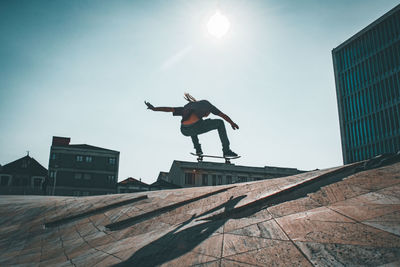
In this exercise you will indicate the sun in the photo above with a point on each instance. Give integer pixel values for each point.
(218, 25)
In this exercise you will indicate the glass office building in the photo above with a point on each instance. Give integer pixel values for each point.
(367, 77)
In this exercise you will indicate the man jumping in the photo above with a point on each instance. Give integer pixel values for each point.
(192, 123)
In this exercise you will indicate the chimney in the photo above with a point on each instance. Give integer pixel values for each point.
(61, 141)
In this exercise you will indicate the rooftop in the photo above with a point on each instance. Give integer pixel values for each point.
(164, 184)
(25, 164)
(367, 28)
(132, 181)
(348, 215)
(207, 165)
(64, 142)
(86, 147)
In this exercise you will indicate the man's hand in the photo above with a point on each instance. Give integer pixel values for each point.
(149, 106)
(234, 126)
(226, 117)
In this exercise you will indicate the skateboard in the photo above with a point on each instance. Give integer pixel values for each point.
(227, 159)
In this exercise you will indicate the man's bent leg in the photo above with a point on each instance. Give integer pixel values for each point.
(214, 124)
(190, 131)
(196, 144)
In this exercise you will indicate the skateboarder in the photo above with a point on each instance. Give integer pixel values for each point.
(192, 123)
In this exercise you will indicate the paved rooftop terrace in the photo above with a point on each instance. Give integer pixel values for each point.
(336, 217)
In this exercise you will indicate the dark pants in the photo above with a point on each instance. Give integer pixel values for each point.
(204, 126)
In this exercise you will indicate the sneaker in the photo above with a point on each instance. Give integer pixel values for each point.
(230, 153)
(199, 151)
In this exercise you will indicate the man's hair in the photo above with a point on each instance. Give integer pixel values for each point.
(189, 98)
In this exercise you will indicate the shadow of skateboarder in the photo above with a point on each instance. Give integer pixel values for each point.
(178, 242)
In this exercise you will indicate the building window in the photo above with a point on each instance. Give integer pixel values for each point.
(205, 179)
(85, 193)
(189, 178)
(229, 179)
(52, 174)
(4, 180)
(53, 156)
(88, 159)
(79, 158)
(76, 193)
(111, 161)
(242, 179)
(78, 175)
(37, 182)
(214, 180)
(111, 178)
(24, 164)
(87, 176)
(219, 179)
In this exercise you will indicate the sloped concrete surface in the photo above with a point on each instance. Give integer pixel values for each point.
(336, 217)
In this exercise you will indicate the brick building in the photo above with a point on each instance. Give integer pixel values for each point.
(81, 169)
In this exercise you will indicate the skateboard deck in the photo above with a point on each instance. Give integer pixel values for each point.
(227, 159)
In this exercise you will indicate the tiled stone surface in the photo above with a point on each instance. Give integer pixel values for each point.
(238, 244)
(355, 221)
(391, 264)
(268, 229)
(327, 226)
(364, 211)
(237, 224)
(391, 227)
(321, 254)
(359, 184)
(211, 246)
(231, 263)
(274, 253)
(189, 259)
(294, 206)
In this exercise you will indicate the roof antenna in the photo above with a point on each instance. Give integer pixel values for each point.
(27, 152)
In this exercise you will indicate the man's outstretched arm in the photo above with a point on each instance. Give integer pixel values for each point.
(165, 109)
(226, 117)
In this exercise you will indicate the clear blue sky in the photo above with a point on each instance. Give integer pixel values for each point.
(82, 69)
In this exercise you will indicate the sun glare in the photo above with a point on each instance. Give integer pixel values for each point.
(218, 25)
